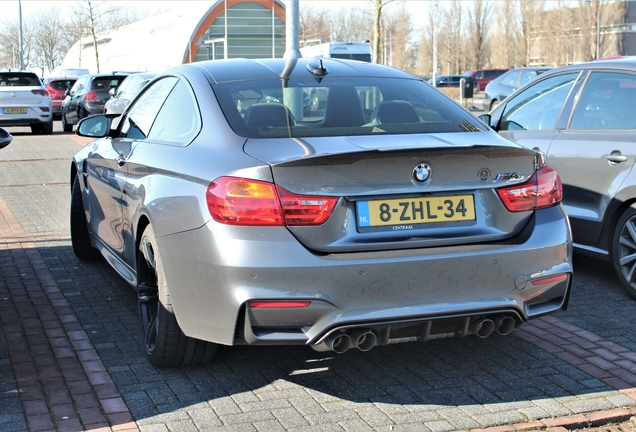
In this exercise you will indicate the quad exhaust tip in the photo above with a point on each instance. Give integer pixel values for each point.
(364, 339)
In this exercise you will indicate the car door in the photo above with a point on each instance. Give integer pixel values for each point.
(107, 170)
(529, 118)
(596, 151)
(73, 98)
(507, 84)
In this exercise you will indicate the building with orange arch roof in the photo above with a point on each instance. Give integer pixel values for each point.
(227, 29)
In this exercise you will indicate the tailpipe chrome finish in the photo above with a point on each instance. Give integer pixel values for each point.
(338, 343)
(504, 324)
(362, 339)
(483, 327)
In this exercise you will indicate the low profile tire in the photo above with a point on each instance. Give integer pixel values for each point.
(164, 342)
(36, 128)
(65, 126)
(80, 239)
(624, 250)
(47, 128)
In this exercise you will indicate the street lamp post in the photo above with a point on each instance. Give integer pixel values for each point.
(435, 45)
(21, 42)
(598, 26)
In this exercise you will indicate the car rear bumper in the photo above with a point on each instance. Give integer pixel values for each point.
(33, 115)
(398, 296)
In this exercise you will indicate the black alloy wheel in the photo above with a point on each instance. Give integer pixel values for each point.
(624, 251)
(165, 344)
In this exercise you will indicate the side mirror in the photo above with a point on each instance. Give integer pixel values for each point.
(111, 92)
(485, 118)
(96, 126)
(5, 138)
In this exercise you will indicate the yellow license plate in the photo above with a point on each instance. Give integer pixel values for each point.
(15, 110)
(408, 211)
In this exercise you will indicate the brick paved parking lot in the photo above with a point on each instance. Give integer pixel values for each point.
(71, 356)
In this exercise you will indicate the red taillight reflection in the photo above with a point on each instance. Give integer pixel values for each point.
(279, 304)
(542, 190)
(549, 279)
(237, 201)
(90, 96)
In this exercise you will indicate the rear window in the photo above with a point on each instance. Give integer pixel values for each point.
(339, 107)
(61, 84)
(106, 83)
(11, 79)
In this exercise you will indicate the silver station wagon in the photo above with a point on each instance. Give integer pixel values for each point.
(243, 213)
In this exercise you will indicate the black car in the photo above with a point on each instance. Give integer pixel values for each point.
(500, 88)
(447, 80)
(88, 96)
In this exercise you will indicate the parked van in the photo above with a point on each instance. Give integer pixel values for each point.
(344, 50)
(72, 72)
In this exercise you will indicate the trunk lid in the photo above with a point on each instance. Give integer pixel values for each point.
(402, 191)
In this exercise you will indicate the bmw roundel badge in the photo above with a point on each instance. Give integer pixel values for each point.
(422, 173)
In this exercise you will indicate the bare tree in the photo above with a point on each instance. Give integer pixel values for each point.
(478, 36)
(10, 43)
(398, 48)
(315, 24)
(529, 15)
(450, 38)
(49, 37)
(94, 14)
(378, 6)
(505, 38)
(322, 25)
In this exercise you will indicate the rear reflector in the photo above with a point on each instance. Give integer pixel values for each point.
(279, 304)
(238, 201)
(542, 190)
(550, 279)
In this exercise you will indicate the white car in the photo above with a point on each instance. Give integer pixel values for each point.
(125, 93)
(25, 102)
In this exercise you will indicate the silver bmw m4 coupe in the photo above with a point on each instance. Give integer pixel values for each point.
(330, 203)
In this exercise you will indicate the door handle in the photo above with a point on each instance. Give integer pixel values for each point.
(616, 158)
(121, 160)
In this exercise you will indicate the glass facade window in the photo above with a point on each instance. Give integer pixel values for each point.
(251, 31)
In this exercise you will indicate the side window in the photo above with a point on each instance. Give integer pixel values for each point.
(479, 75)
(179, 120)
(142, 114)
(538, 106)
(526, 76)
(511, 79)
(606, 102)
(78, 86)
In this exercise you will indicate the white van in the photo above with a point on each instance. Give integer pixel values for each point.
(75, 72)
(344, 50)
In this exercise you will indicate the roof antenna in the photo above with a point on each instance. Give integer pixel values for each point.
(316, 68)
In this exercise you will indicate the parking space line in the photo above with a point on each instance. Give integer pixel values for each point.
(61, 380)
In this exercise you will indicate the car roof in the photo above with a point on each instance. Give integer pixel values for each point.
(621, 63)
(248, 69)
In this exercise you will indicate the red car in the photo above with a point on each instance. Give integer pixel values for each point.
(57, 86)
(484, 76)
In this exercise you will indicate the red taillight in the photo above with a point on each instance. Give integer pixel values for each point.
(543, 190)
(305, 209)
(90, 96)
(279, 304)
(237, 201)
(40, 92)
